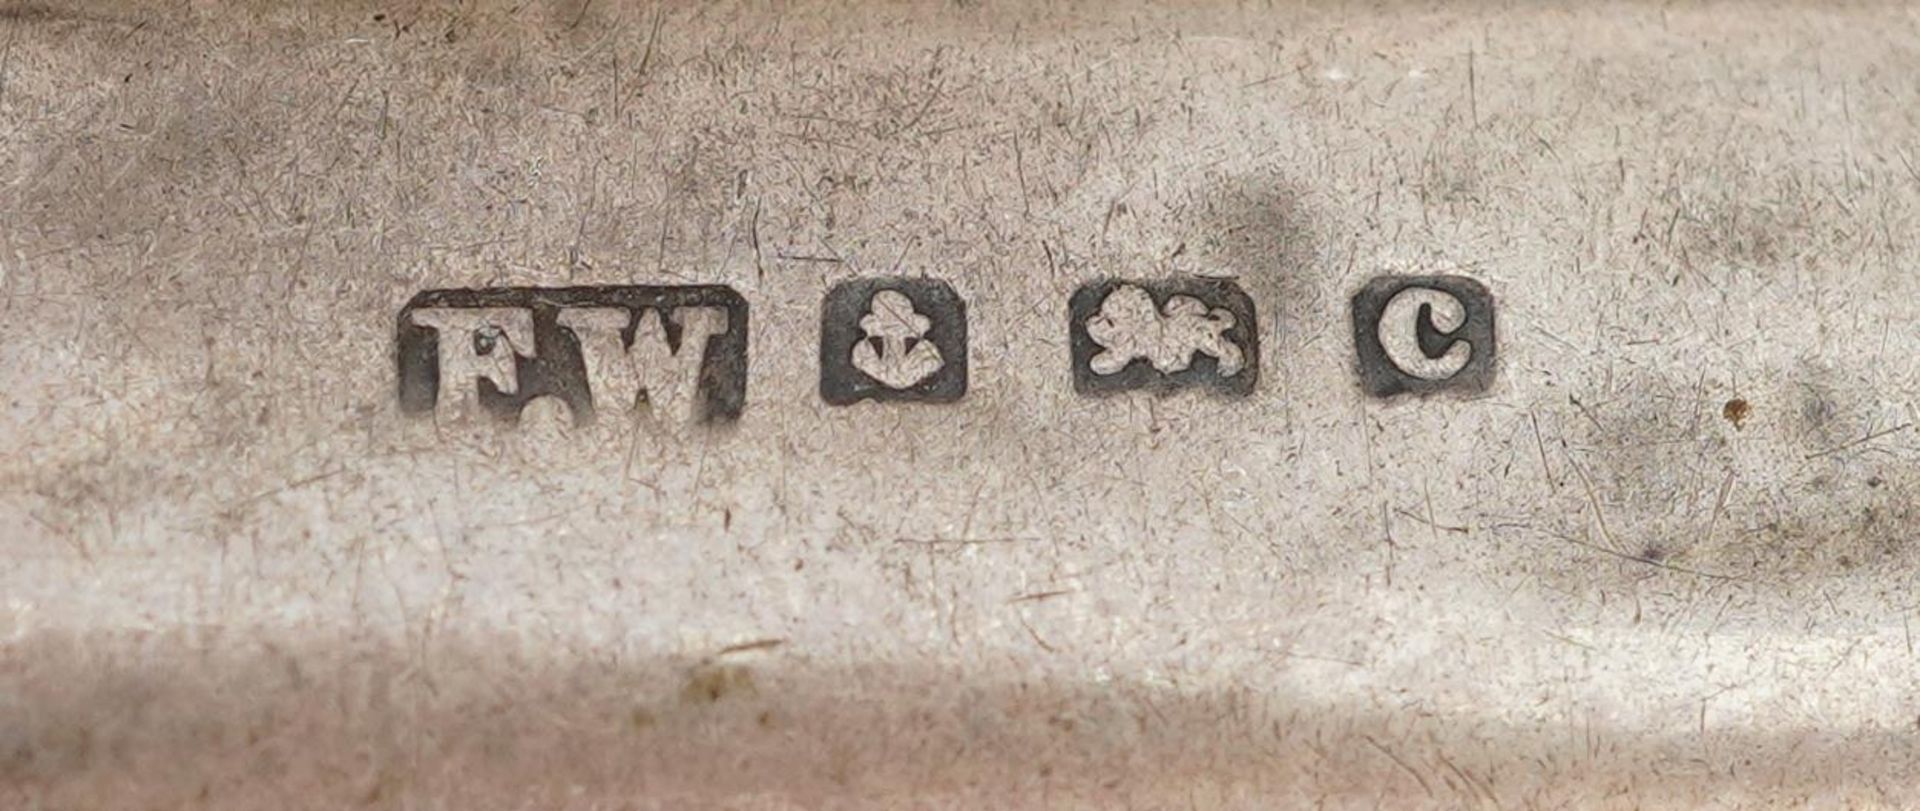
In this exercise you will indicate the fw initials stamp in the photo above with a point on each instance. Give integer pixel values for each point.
(676, 353)
(1424, 334)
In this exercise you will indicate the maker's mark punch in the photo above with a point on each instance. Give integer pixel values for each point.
(1163, 335)
(893, 339)
(675, 353)
(1424, 334)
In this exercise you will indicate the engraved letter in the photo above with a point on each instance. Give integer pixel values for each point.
(1417, 324)
(476, 344)
(617, 375)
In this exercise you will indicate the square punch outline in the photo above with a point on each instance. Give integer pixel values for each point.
(841, 310)
(1381, 377)
(558, 370)
(1138, 374)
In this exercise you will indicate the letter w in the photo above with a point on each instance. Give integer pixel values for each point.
(618, 376)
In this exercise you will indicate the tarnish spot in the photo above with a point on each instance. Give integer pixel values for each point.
(1736, 411)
